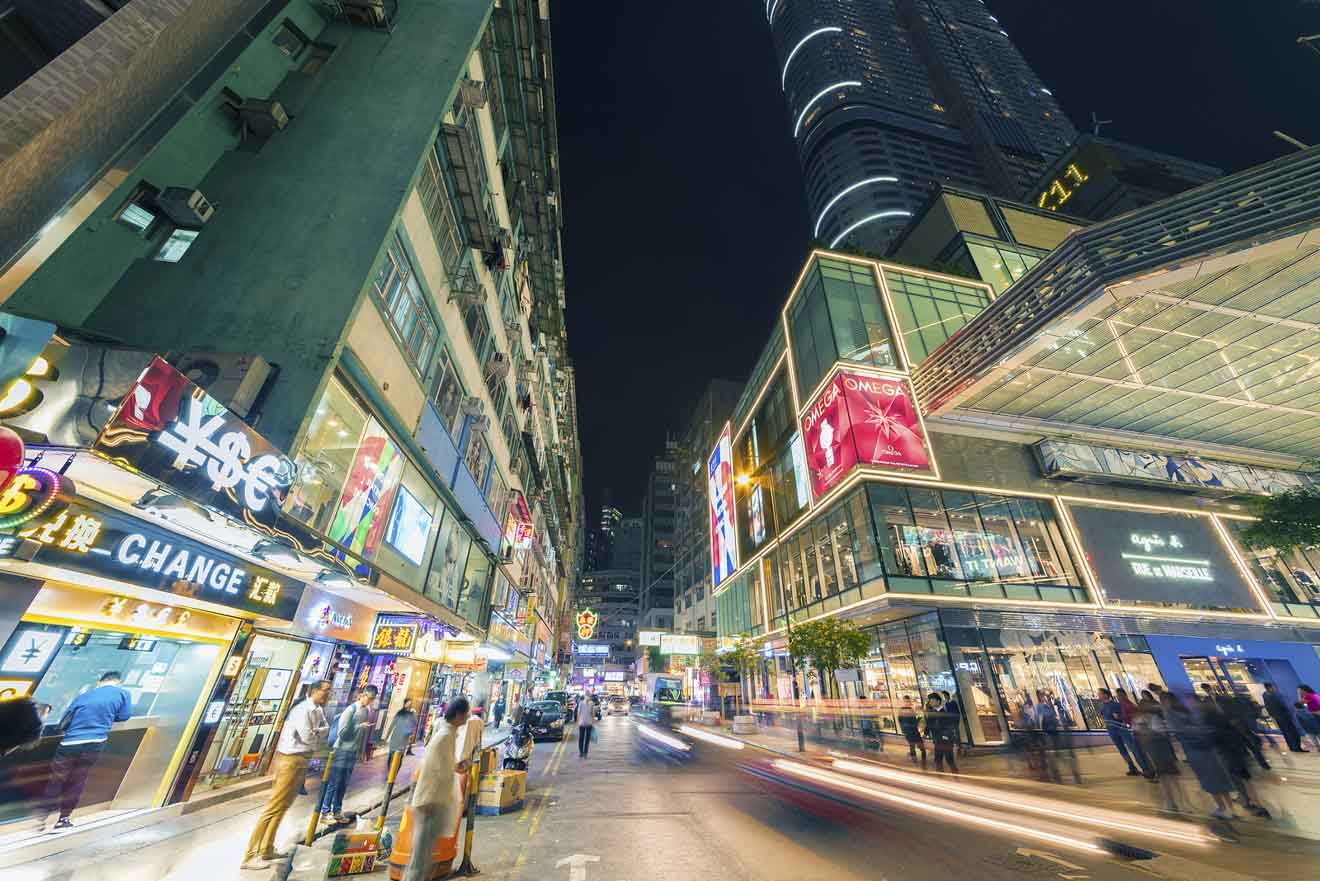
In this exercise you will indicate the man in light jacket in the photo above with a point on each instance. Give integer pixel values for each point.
(437, 800)
(303, 734)
(586, 720)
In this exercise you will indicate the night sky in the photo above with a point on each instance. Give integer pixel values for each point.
(684, 217)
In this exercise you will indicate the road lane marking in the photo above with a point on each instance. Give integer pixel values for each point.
(540, 812)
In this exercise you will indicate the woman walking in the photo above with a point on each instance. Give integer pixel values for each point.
(436, 798)
(1198, 742)
(586, 721)
(1308, 713)
(402, 729)
(1152, 733)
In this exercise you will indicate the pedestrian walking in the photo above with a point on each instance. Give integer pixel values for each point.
(909, 723)
(586, 723)
(437, 798)
(303, 734)
(1120, 732)
(1195, 733)
(1232, 749)
(1308, 713)
(1128, 711)
(1151, 730)
(86, 729)
(1239, 711)
(402, 731)
(347, 738)
(1283, 717)
(942, 730)
(499, 712)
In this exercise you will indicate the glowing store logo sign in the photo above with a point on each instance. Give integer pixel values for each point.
(327, 616)
(1235, 649)
(195, 441)
(1160, 566)
(161, 558)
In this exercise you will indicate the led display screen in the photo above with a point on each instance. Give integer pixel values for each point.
(1161, 558)
(409, 527)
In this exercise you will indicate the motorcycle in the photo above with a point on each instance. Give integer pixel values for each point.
(518, 748)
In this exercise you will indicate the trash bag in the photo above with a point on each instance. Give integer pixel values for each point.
(308, 863)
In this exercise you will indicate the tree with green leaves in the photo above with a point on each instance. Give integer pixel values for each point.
(1288, 519)
(744, 657)
(828, 644)
(655, 662)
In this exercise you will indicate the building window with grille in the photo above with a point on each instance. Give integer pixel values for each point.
(404, 304)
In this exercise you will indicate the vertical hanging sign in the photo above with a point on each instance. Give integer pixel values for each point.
(719, 482)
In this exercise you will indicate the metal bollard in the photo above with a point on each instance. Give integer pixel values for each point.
(316, 810)
(389, 790)
(466, 869)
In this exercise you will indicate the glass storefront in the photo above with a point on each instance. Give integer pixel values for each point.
(1291, 579)
(167, 657)
(250, 721)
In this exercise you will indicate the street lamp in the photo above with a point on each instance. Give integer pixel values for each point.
(745, 479)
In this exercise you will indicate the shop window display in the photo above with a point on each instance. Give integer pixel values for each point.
(165, 679)
(444, 582)
(326, 457)
(1291, 579)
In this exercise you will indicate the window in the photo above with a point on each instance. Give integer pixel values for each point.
(404, 304)
(326, 456)
(176, 245)
(930, 310)
(478, 328)
(497, 493)
(477, 458)
(289, 40)
(138, 212)
(448, 394)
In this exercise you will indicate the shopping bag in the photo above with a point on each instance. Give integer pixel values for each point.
(594, 736)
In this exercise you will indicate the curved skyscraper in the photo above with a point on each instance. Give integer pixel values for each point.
(888, 98)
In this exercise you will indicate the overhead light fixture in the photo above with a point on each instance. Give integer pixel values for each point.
(273, 551)
(335, 578)
(175, 509)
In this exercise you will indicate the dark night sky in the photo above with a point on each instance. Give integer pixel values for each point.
(684, 218)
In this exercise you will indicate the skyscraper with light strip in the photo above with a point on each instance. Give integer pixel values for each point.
(888, 98)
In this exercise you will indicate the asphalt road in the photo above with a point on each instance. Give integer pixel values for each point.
(623, 814)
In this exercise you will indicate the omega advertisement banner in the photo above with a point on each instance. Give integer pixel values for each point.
(170, 429)
(1162, 558)
(863, 420)
(719, 490)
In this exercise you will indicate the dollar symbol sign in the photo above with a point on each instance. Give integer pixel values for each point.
(227, 470)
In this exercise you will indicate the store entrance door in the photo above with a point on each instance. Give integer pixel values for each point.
(1246, 675)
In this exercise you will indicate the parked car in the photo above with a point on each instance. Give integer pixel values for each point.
(546, 719)
(618, 707)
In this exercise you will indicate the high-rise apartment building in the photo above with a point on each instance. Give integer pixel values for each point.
(338, 226)
(694, 603)
(659, 510)
(888, 98)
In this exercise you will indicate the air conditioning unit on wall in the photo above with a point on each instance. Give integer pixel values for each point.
(185, 206)
(473, 405)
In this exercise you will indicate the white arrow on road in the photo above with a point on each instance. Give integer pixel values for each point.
(577, 865)
(1048, 857)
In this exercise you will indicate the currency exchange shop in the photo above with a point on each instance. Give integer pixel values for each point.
(105, 571)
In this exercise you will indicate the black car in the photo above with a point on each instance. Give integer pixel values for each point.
(546, 719)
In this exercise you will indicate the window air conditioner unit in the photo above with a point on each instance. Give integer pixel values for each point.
(513, 328)
(473, 405)
(505, 238)
(481, 424)
(185, 206)
(473, 93)
(473, 297)
(499, 365)
(263, 117)
(235, 380)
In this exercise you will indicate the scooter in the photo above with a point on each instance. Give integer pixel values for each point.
(518, 748)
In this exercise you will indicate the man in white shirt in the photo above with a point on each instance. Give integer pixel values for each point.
(304, 733)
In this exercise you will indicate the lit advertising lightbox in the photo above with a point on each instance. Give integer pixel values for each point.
(863, 420)
(719, 482)
(1162, 559)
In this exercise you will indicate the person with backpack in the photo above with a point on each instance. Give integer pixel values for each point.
(347, 737)
(909, 723)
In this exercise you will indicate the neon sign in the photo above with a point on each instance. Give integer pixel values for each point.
(28, 495)
(587, 620)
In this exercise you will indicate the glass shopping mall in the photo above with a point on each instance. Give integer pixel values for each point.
(1041, 491)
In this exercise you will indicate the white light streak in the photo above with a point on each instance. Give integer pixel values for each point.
(865, 220)
(783, 79)
(846, 191)
(1184, 832)
(907, 801)
(823, 92)
(718, 740)
(773, 10)
(661, 737)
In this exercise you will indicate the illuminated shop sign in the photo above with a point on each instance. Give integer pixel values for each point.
(413, 636)
(719, 488)
(170, 429)
(587, 620)
(392, 636)
(1161, 558)
(591, 648)
(862, 420)
(616, 676)
(86, 537)
(649, 637)
(679, 644)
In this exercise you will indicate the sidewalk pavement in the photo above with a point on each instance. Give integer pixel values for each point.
(1266, 849)
(177, 844)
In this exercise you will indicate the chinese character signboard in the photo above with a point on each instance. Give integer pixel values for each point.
(394, 635)
(719, 483)
(169, 429)
(863, 420)
(84, 536)
(587, 620)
